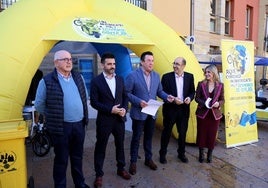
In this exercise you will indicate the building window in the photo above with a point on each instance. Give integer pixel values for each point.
(214, 50)
(213, 15)
(213, 7)
(227, 24)
(248, 22)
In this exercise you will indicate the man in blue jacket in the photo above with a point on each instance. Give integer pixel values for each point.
(142, 85)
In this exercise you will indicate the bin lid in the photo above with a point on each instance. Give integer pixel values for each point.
(13, 130)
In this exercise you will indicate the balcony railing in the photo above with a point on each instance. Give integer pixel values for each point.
(139, 3)
(4, 4)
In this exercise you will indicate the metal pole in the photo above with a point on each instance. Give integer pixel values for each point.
(265, 47)
(192, 22)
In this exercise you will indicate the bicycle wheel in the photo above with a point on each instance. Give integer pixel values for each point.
(41, 144)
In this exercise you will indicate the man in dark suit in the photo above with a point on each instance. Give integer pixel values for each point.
(108, 97)
(181, 85)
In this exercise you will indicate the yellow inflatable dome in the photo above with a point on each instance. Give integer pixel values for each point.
(29, 29)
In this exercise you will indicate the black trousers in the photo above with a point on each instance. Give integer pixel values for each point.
(104, 130)
(180, 117)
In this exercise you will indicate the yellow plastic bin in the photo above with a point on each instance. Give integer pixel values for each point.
(13, 168)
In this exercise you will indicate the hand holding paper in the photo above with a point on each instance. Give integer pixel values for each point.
(152, 107)
(207, 102)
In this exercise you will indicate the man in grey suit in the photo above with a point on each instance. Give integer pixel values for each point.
(181, 85)
(141, 85)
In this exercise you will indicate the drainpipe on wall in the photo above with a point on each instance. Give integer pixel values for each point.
(265, 47)
(192, 22)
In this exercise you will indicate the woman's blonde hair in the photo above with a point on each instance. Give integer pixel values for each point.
(214, 70)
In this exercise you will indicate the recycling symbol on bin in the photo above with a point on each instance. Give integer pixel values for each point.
(7, 159)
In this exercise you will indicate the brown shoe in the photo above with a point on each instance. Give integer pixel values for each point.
(98, 182)
(151, 164)
(132, 168)
(124, 174)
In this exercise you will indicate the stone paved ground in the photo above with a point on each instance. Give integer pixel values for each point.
(245, 166)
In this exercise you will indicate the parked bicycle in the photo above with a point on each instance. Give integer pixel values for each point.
(38, 135)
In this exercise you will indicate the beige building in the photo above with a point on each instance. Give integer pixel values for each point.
(209, 21)
(192, 18)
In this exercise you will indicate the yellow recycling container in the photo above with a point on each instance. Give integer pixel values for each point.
(13, 168)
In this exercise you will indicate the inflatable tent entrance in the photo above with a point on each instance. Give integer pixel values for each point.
(25, 41)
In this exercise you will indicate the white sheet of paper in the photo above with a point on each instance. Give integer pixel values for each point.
(207, 102)
(153, 106)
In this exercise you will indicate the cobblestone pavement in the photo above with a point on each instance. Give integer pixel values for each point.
(244, 166)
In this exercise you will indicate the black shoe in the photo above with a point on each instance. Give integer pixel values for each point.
(201, 157)
(84, 186)
(163, 160)
(209, 156)
(183, 158)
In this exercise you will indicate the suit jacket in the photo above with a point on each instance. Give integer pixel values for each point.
(102, 100)
(137, 91)
(169, 86)
(202, 94)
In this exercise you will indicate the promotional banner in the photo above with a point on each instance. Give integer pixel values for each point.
(239, 92)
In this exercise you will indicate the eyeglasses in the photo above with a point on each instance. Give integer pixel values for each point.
(176, 64)
(179, 64)
(65, 59)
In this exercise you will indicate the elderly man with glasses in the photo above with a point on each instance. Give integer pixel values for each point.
(62, 98)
